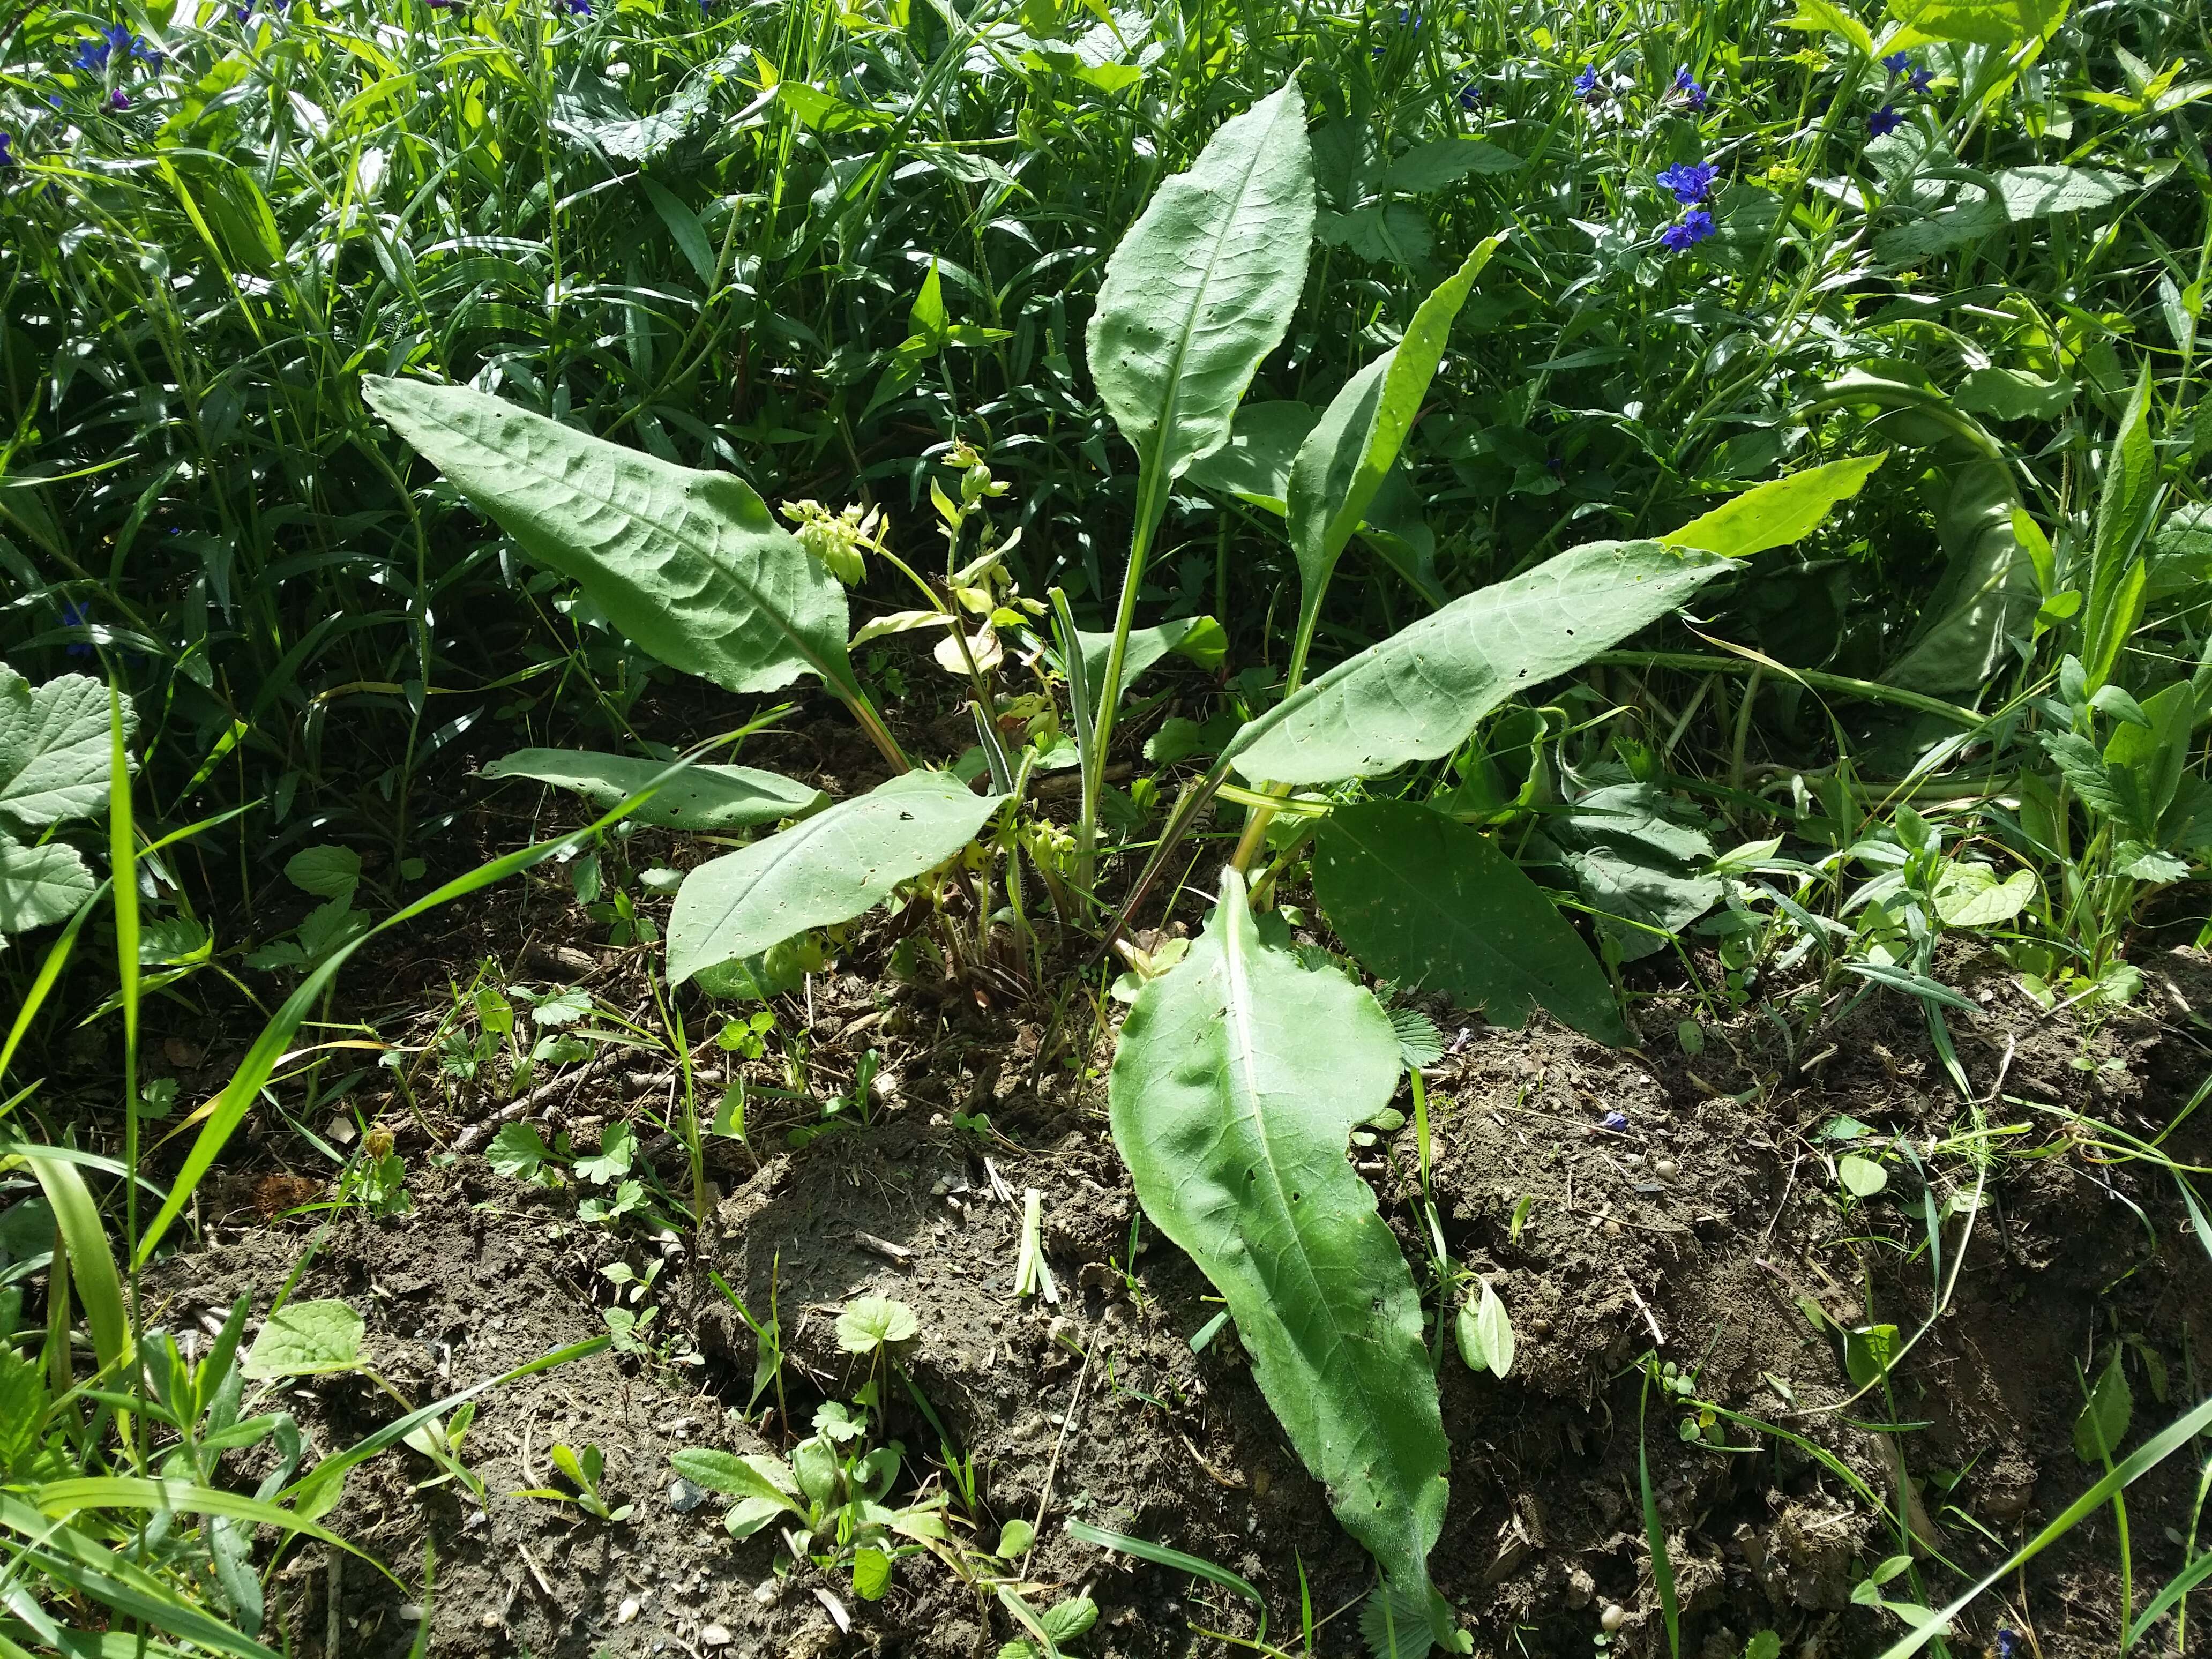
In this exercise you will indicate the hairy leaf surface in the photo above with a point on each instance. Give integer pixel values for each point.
(823, 870)
(688, 564)
(1416, 695)
(1203, 286)
(54, 748)
(1239, 1076)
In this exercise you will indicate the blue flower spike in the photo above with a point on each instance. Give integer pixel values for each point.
(1689, 91)
(1897, 64)
(1691, 181)
(1586, 83)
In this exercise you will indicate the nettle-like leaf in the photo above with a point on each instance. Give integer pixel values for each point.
(1235, 1138)
(828, 869)
(41, 885)
(1203, 286)
(1417, 694)
(690, 565)
(1426, 900)
(700, 797)
(54, 748)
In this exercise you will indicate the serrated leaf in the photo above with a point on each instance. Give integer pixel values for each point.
(328, 873)
(517, 1151)
(54, 748)
(689, 565)
(1428, 901)
(1982, 22)
(1418, 693)
(1203, 286)
(306, 1338)
(1237, 1144)
(41, 885)
(828, 869)
(872, 1572)
(1420, 1042)
(1776, 514)
(699, 798)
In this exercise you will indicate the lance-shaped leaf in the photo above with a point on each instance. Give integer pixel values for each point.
(1418, 693)
(1234, 1124)
(823, 870)
(1778, 513)
(1429, 901)
(702, 798)
(1344, 459)
(688, 564)
(1203, 286)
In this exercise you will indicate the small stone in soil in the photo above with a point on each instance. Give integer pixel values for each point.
(715, 1636)
(684, 1497)
(1614, 1617)
(627, 1611)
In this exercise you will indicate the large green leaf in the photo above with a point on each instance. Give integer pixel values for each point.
(39, 885)
(1416, 695)
(1233, 1123)
(1201, 639)
(1778, 513)
(1429, 901)
(1983, 22)
(828, 869)
(1344, 460)
(688, 564)
(1203, 286)
(703, 797)
(54, 748)
(1989, 202)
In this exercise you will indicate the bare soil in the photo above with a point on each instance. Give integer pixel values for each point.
(1702, 1231)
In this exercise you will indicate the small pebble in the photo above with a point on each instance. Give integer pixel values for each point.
(715, 1636)
(1666, 1169)
(684, 1497)
(627, 1611)
(1614, 1617)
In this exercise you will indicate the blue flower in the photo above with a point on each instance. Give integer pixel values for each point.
(1692, 93)
(1897, 62)
(1696, 225)
(1586, 83)
(1616, 1121)
(1921, 80)
(2008, 1645)
(118, 100)
(1884, 121)
(578, 7)
(1470, 94)
(74, 616)
(7, 151)
(1691, 181)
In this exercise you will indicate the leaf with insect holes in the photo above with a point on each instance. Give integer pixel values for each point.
(1236, 1142)
(306, 1338)
(1486, 1335)
(700, 797)
(1862, 1177)
(688, 566)
(2103, 1423)
(1203, 287)
(41, 885)
(55, 748)
(825, 870)
(1416, 695)
(869, 1323)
